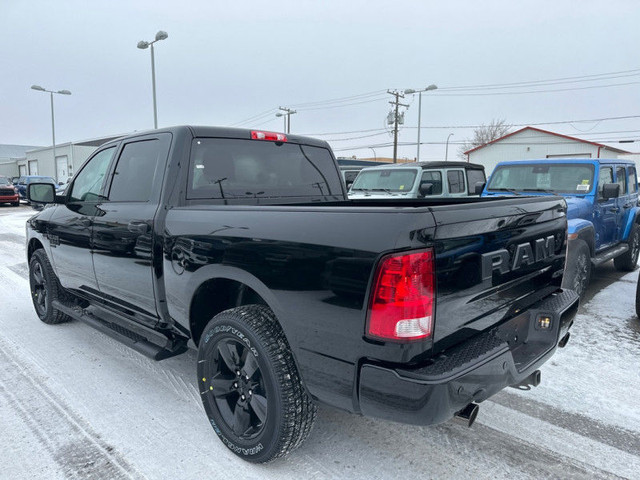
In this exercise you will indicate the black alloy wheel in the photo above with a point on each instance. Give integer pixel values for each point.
(237, 388)
(39, 289)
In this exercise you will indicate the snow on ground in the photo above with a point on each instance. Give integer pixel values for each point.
(76, 404)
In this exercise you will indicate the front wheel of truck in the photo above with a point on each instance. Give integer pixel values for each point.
(627, 261)
(578, 270)
(45, 288)
(250, 386)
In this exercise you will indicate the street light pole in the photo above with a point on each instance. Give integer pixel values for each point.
(287, 117)
(446, 152)
(419, 92)
(143, 45)
(53, 124)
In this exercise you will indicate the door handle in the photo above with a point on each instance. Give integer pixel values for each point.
(628, 205)
(138, 227)
(614, 210)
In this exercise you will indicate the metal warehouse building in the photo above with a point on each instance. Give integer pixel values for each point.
(68, 158)
(534, 143)
(9, 155)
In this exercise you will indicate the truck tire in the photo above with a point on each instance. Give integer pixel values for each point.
(627, 261)
(250, 386)
(578, 269)
(45, 288)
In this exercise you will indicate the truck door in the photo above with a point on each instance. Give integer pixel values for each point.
(605, 211)
(70, 226)
(123, 233)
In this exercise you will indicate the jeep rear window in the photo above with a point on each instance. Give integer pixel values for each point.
(552, 178)
(392, 180)
(224, 168)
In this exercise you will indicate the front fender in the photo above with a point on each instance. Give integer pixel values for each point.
(576, 226)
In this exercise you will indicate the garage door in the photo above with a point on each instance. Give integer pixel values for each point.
(33, 167)
(22, 170)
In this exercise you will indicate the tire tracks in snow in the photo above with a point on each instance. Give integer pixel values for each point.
(68, 438)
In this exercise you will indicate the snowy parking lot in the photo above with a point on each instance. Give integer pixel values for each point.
(76, 404)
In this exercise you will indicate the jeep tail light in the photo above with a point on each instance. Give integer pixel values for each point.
(401, 306)
(272, 136)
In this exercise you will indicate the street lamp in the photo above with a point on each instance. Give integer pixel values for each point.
(419, 92)
(446, 152)
(53, 125)
(143, 45)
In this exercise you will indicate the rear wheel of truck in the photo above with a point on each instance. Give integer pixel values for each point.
(250, 385)
(578, 271)
(627, 261)
(45, 288)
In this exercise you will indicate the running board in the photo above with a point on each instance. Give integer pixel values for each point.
(609, 254)
(124, 335)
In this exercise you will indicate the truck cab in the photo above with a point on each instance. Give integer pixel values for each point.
(602, 201)
(418, 180)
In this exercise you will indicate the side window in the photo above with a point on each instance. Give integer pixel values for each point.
(135, 171)
(456, 181)
(474, 177)
(606, 176)
(88, 183)
(434, 179)
(633, 180)
(621, 177)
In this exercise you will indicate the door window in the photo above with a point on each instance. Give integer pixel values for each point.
(633, 180)
(135, 172)
(474, 177)
(456, 181)
(88, 183)
(621, 179)
(434, 179)
(605, 176)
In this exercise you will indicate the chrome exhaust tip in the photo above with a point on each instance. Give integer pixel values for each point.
(468, 414)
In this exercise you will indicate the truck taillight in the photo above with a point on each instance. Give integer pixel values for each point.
(272, 136)
(401, 306)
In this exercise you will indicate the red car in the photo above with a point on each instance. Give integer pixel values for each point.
(8, 193)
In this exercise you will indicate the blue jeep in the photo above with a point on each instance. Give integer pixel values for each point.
(602, 201)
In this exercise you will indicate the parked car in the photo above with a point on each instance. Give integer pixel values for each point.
(243, 244)
(602, 200)
(8, 193)
(27, 179)
(419, 180)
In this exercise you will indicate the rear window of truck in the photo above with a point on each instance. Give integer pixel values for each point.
(235, 168)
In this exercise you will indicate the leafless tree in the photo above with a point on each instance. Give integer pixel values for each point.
(484, 134)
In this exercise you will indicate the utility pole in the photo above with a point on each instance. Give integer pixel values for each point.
(287, 115)
(396, 119)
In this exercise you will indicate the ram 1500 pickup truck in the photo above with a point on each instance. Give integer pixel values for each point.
(243, 244)
(602, 201)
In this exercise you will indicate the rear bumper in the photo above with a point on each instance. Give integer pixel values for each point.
(470, 372)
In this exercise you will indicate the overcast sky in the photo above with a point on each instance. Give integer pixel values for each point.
(226, 62)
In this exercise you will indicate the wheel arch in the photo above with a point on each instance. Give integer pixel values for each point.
(632, 218)
(33, 245)
(585, 231)
(218, 292)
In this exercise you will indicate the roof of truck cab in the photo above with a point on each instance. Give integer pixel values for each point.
(223, 132)
(436, 164)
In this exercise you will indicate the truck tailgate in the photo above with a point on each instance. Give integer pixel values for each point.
(494, 260)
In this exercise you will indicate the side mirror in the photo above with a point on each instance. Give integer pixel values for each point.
(60, 183)
(425, 189)
(479, 187)
(41, 192)
(610, 190)
(348, 183)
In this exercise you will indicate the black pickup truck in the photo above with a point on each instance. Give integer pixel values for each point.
(243, 245)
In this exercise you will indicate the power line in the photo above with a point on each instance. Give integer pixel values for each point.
(533, 82)
(340, 100)
(534, 91)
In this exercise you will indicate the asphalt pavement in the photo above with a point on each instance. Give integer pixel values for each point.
(76, 404)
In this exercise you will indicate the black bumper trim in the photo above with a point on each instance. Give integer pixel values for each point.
(470, 372)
